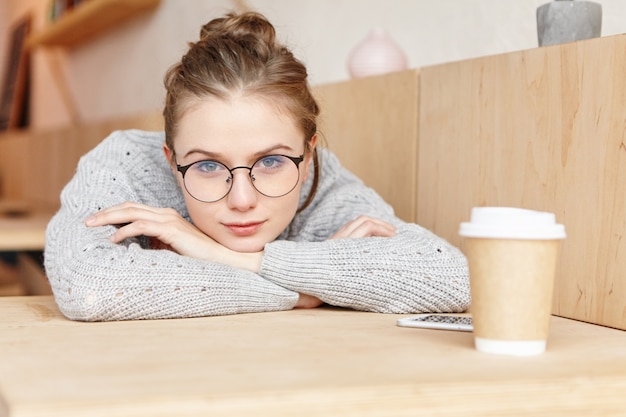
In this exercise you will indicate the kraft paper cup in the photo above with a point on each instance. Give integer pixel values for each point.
(512, 256)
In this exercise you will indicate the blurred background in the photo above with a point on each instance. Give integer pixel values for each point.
(120, 72)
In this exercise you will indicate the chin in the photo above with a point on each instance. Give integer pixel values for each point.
(244, 245)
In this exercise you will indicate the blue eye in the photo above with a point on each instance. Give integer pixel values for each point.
(270, 162)
(209, 167)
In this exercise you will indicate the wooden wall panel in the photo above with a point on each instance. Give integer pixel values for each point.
(542, 129)
(36, 165)
(12, 164)
(371, 124)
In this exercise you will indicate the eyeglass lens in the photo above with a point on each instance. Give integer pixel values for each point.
(272, 176)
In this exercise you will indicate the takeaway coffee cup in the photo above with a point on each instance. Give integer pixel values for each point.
(512, 254)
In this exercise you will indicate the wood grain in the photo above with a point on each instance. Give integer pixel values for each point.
(371, 124)
(541, 129)
(300, 362)
(36, 165)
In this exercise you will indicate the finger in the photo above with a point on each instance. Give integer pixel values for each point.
(364, 226)
(137, 228)
(347, 229)
(374, 224)
(121, 214)
(122, 206)
(367, 229)
(163, 224)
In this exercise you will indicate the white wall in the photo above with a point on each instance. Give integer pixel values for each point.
(121, 72)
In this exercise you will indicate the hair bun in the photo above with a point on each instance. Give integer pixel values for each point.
(240, 27)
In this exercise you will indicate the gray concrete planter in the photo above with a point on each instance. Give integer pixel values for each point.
(563, 21)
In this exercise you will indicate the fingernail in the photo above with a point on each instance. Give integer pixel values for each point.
(90, 220)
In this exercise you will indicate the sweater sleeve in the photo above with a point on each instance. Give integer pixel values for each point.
(94, 279)
(412, 272)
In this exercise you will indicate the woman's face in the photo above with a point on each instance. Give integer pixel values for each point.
(237, 132)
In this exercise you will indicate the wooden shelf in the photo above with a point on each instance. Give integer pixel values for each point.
(88, 20)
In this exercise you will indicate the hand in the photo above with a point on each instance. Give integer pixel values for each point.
(364, 226)
(163, 224)
(172, 231)
(308, 301)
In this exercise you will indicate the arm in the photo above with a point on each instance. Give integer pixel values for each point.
(410, 272)
(95, 279)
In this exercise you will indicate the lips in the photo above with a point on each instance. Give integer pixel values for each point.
(244, 229)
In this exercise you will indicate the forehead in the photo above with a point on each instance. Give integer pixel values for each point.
(239, 125)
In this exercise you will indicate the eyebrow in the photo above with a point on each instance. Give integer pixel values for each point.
(216, 155)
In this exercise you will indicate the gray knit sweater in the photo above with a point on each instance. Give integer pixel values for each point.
(94, 279)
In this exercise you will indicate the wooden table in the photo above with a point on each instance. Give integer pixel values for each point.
(325, 361)
(22, 228)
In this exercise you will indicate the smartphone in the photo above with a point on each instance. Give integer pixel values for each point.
(438, 321)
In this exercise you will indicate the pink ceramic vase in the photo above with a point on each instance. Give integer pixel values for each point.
(377, 54)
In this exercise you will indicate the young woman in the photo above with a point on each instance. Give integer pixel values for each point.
(234, 208)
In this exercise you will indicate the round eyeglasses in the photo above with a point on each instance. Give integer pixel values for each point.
(272, 175)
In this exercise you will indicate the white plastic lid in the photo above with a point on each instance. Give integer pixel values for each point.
(512, 223)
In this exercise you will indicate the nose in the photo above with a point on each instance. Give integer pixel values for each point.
(243, 196)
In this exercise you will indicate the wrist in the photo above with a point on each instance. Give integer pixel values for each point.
(253, 262)
(250, 261)
(307, 301)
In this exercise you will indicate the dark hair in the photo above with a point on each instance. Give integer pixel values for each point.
(239, 53)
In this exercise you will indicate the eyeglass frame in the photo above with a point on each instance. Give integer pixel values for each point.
(297, 160)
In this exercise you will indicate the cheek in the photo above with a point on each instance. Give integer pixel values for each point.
(280, 211)
(202, 214)
(289, 206)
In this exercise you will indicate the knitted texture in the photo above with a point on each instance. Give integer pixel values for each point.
(94, 279)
